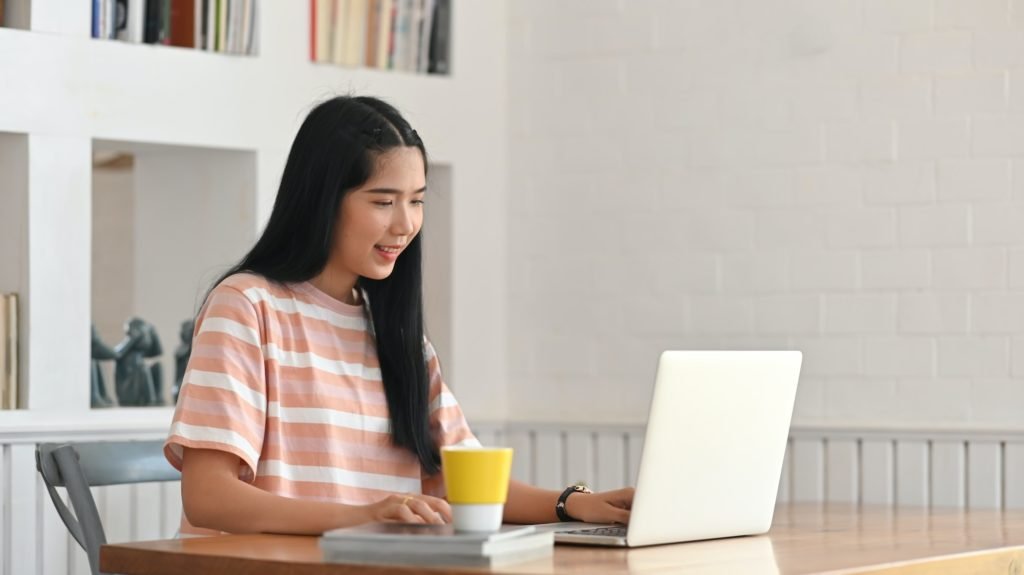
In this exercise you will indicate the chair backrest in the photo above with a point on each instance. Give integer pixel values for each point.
(78, 466)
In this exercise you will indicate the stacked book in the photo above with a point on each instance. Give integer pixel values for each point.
(8, 351)
(409, 544)
(406, 35)
(227, 26)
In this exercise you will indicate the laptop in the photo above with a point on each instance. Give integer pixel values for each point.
(713, 450)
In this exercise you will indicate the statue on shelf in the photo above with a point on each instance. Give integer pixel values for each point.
(100, 351)
(136, 384)
(181, 356)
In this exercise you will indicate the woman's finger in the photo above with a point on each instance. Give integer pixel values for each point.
(618, 515)
(425, 511)
(402, 513)
(440, 506)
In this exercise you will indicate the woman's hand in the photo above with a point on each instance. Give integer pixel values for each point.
(411, 508)
(604, 507)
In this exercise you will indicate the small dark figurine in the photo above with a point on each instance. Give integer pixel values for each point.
(136, 384)
(100, 351)
(181, 356)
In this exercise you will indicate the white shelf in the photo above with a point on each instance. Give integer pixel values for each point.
(34, 426)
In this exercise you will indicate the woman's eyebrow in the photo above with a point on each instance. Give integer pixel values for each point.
(393, 191)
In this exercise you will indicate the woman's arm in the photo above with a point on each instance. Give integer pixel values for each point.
(214, 498)
(529, 504)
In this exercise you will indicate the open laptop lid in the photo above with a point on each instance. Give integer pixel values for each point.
(715, 440)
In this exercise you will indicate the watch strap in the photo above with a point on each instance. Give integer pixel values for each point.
(560, 506)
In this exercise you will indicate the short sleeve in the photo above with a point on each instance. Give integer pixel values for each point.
(448, 425)
(222, 403)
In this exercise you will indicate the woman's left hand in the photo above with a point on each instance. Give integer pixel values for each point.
(604, 507)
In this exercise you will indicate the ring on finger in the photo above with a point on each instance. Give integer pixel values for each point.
(406, 499)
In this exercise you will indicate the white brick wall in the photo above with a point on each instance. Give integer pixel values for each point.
(842, 177)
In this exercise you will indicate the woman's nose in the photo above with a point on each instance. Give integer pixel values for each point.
(404, 222)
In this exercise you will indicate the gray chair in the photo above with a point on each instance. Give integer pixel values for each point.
(77, 466)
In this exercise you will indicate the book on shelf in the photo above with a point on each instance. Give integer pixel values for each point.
(227, 26)
(406, 35)
(8, 351)
(413, 544)
(440, 38)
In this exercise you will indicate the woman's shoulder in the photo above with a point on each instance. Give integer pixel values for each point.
(253, 286)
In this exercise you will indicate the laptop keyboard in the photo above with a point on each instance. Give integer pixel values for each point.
(618, 531)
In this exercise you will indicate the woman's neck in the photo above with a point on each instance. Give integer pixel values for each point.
(339, 286)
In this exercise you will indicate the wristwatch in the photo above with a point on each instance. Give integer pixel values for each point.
(560, 506)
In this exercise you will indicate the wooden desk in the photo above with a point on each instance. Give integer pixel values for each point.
(804, 539)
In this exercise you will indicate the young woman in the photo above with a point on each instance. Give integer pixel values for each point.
(312, 399)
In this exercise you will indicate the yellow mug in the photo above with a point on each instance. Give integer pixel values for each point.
(476, 480)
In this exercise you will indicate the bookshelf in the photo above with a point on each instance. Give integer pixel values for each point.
(400, 35)
(210, 131)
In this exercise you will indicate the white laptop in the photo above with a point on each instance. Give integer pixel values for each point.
(712, 454)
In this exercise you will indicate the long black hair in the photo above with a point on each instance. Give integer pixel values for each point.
(333, 153)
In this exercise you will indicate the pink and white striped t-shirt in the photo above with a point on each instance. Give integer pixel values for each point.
(287, 378)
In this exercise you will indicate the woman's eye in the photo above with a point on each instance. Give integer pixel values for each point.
(417, 202)
(383, 204)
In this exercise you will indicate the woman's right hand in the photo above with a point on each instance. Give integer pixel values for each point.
(411, 508)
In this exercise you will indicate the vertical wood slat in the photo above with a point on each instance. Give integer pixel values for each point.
(842, 470)
(5, 508)
(984, 474)
(78, 561)
(808, 469)
(912, 472)
(170, 501)
(488, 437)
(785, 478)
(579, 458)
(549, 459)
(147, 509)
(612, 467)
(521, 442)
(949, 474)
(1013, 475)
(23, 510)
(53, 543)
(116, 514)
(878, 476)
(634, 447)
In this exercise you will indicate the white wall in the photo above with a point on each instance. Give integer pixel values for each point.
(838, 176)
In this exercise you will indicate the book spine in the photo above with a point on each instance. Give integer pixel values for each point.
(152, 17)
(339, 9)
(111, 31)
(312, 30)
(197, 24)
(440, 41)
(384, 32)
(165, 22)
(428, 26)
(96, 8)
(182, 23)
(10, 375)
(136, 21)
(254, 29)
(222, 25)
(210, 26)
(4, 383)
(246, 23)
(324, 23)
(372, 30)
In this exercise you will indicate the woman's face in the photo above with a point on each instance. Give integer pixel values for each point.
(380, 218)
